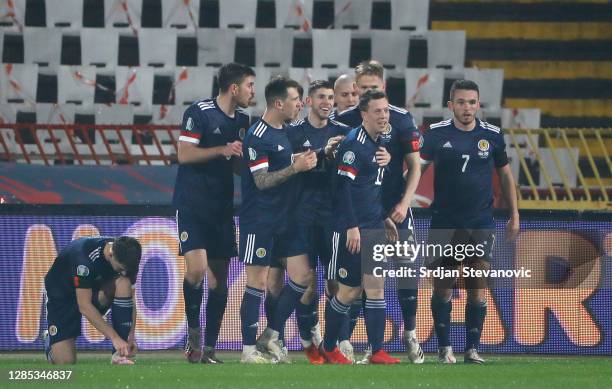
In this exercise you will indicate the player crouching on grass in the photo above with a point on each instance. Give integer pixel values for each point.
(88, 277)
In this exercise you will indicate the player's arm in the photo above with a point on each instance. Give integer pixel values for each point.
(189, 152)
(132, 346)
(347, 172)
(412, 177)
(301, 163)
(509, 191)
(92, 314)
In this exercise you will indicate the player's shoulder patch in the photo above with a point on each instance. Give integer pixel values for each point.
(443, 123)
(489, 126)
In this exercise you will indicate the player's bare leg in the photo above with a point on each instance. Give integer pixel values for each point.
(257, 277)
(196, 263)
(475, 312)
(62, 352)
(300, 276)
(441, 310)
(215, 306)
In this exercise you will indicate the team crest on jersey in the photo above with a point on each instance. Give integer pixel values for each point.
(82, 271)
(421, 141)
(386, 135)
(348, 158)
(52, 330)
(252, 154)
(189, 125)
(260, 252)
(342, 272)
(184, 236)
(483, 146)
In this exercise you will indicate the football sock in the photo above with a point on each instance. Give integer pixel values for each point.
(408, 303)
(349, 326)
(335, 316)
(375, 322)
(215, 308)
(307, 317)
(193, 302)
(474, 320)
(122, 311)
(441, 312)
(249, 314)
(289, 297)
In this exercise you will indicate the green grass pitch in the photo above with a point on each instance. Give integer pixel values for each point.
(169, 370)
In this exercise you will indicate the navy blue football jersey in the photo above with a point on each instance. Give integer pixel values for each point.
(266, 147)
(464, 162)
(402, 138)
(208, 188)
(81, 264)
(360, 205)
(315, 186)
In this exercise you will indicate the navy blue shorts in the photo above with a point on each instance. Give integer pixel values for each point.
(344, 266)
(313, 240)
(64, 317)
(217, 237)
(482, 240)
(264, 248)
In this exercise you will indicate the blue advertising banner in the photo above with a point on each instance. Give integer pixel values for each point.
(563, 307)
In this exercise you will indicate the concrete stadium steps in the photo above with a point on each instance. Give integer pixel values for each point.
(556, 55)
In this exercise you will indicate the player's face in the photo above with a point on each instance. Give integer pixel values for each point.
(117, 267)
(369, 82)
(321, 102)
(292, 105)
(464, 105)
(346, 96)
(377, 115)
(245, 92)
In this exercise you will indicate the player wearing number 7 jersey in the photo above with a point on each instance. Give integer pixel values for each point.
(465, 150)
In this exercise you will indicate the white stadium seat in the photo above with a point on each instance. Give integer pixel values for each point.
(64, 13)
(391, 47)
(76, 84)
(215, 46)
(445, 49)
(490, 83)
(134, 85)
(273, 47)
(99, 47)
(331, 48)
(353, 14)
(192, 84)
(424, 87)
(180, 14)
(18, 83)
(237, 14)
(412, 15)
(157, 46)
(116, 16)
(293, 13)
(42, 46)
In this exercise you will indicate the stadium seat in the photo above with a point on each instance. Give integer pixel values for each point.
(237, 14)
(67, 13)
(114, 114)
(331, 48)
(99, 47)
(306, 76)
(180, 14)
(391, 48)
(170, 115)
(76, 84)
(353, 14)
(262, 76)
(192, 84)
(273, 47)
(521, 118)
(215, 46)
(490, 83)
(18, 83)
(12, 14)
(294, 14)
(424, 87)
(134, 86)
(157, 47)
(115, 15)
(445, 49)
(7, 115)
(42, 46)
(410, 15)
(54, 114)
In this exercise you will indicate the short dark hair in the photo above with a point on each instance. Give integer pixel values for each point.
(232, 73)
(369, 95)
(277, 88)
(370, 68)
(319, 84)
(463, 85)
(127, 251)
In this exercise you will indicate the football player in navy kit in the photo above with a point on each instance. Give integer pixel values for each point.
(88, 277)
(267, 198)
(357, 202)
(402, 142)
(203, 199)
(465, 151)
(345, 93)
